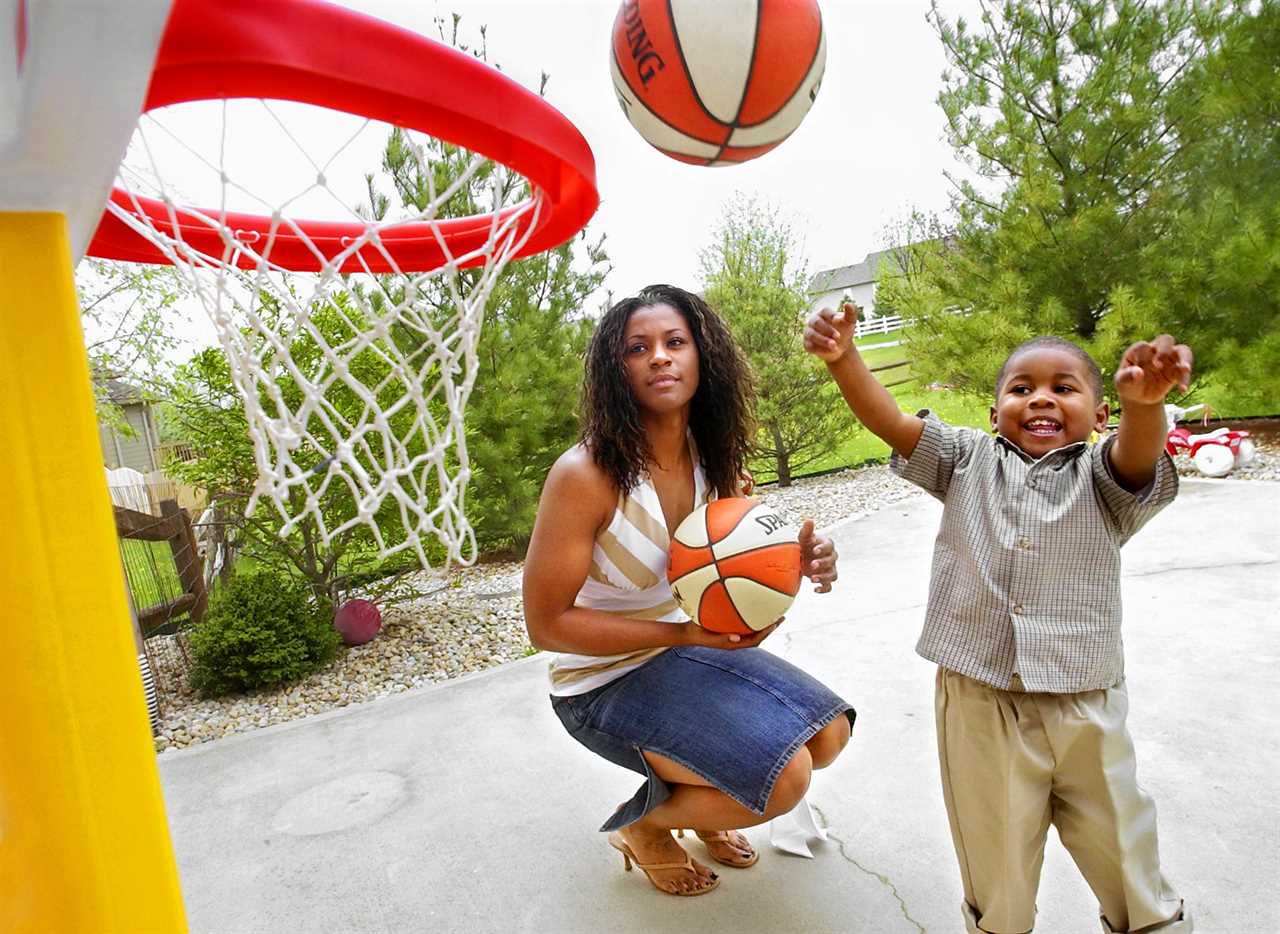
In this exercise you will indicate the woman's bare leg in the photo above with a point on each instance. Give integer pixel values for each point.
(825, 745)
(696, 803)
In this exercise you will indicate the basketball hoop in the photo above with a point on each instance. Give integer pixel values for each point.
(268, 280)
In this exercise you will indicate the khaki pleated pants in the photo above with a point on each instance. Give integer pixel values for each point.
(1012, 764)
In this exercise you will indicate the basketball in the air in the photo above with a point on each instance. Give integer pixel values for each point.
(734, 565)
(717, 82)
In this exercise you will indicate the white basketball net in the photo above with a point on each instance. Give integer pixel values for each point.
(353, 384)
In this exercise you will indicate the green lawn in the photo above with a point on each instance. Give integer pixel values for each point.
(860, 445)
(150, 572)
(872, 339)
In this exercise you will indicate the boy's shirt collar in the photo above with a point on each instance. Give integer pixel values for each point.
(1067, 450)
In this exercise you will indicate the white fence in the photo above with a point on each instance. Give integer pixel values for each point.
(144, 492)
(878, 325)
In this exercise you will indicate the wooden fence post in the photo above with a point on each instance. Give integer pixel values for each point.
(186, 556)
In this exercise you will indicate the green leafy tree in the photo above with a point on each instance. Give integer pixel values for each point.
(1081, 122)
(127, 313)
(754, 278)
(204, 411)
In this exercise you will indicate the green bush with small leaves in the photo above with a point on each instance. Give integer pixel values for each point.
(261, 630)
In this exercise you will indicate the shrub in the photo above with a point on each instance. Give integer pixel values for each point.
(262, 629)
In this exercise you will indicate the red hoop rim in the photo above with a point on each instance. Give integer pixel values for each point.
(312, 52)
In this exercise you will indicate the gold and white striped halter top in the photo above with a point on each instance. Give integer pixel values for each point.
(628, 577)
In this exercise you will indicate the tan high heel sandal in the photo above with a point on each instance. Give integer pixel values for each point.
(722, 836)
(629, 857)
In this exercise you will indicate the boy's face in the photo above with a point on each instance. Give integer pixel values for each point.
(1046, 401)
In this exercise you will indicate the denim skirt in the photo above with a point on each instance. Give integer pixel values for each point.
(735, 717)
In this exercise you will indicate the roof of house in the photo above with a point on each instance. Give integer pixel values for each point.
(122, 393)
(843, 277)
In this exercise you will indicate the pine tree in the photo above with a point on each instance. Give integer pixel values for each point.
(521, 415)
(1220, 266)
(1087, 127)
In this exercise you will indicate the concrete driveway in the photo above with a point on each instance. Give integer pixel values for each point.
(464, 807)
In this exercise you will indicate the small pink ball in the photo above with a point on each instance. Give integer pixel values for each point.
(358, 621)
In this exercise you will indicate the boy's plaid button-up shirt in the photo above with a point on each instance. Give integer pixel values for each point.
(1026, 567)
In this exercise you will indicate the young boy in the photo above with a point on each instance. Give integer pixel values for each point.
(1023, 617)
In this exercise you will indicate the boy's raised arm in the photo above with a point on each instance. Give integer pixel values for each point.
(829, 334)
(1147, 372)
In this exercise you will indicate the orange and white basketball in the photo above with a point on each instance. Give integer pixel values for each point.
(717, 82)
(734, 565)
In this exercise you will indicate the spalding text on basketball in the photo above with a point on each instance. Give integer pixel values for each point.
(648, 62)
(770, 522)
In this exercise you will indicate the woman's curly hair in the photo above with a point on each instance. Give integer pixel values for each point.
(721, 413)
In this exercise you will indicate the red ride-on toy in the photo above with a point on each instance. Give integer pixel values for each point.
(1215, 453)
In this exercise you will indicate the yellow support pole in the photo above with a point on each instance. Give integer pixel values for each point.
(84, 844)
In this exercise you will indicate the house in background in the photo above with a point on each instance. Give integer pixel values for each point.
(138, 452)
(135, 461)
(856, 282)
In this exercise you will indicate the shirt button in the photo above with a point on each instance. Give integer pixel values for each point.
(1017, 608)
(1024, 543)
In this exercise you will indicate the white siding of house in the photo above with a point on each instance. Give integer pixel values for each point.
(863, 294)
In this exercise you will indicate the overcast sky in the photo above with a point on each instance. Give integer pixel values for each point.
(871, 147)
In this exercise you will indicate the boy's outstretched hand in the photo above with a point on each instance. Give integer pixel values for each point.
(1150, 369)
(1147, 372)
(829, 334)
(817, 558)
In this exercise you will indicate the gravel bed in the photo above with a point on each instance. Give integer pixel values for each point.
(471, 619)
(834, 497)
(473, 623)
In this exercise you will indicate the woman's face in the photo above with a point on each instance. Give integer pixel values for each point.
(660, 357)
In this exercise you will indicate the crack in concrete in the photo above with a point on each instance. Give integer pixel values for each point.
(883, 879)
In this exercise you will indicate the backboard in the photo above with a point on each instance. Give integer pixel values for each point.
(73, 77)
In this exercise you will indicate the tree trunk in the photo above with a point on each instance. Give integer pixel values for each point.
(782, 456)
(223, 535)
